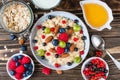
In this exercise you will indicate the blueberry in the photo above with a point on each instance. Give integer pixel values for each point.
(17, 63)
(55, 42)
(12, 36)
(68, 45)
(69, 63)
(83, 37)
(94, 68)
(101, 69)
(50, 16)
(26, 65)
(76, 21)
(105, 70)
(44, 44)
(23, 48)
(56, 55)
(75, 49)
(25, 75)
(61, 30)
(28, 72)
(43, 28)
(66, 50)
(12, 72)
(20, 56)
(68, 27)
(42, 57)
(34, 41)
(15, 58)
(88, 65)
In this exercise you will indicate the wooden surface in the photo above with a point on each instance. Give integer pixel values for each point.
(111, 37)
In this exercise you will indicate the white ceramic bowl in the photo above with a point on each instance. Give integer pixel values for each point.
(7, 68)
(67, 15)
(87, 61)
(110, 16)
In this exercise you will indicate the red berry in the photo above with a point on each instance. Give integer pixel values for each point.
(43, 36)
(25, 60)
(63, 22)
(60, 50)
(81, 31)
(81, 52)
(57, 65)
(18, 76)
(52, 29)
(63, 37)
(12, 65)
(39, 26)
(75, 39)
(98, 53)
(35, 48)
(20, 69)
(46, 71)
(48, 54)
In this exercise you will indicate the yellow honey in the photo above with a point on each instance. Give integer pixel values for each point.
(95, 14)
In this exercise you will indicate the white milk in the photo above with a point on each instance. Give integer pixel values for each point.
(46, 4)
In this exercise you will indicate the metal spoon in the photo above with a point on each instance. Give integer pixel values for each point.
(99, 44)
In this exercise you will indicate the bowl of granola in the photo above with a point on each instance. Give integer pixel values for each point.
(16, 16)
(59, 40)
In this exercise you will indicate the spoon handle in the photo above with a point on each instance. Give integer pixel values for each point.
(114, 60)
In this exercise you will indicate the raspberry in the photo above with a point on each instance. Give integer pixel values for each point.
(57, 65)
(60, 50)
(48, 54)
(81, 31)
(46, 71)
(18, 76)
(63, 22)
(25, 60)
(52, 29)
(20, 69)
(98, 53)
(81, 52)
(43, 36)
(12, 65)
(39, 26)
(35, 48)
(63, 37)
(75, 39)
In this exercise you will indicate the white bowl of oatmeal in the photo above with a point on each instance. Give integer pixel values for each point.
(59, 40)
(16, 16)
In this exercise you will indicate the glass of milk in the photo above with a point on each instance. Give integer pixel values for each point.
(46, 4)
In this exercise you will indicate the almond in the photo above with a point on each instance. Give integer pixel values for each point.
(21, 41)
(48, 39)
(59, 71)
(52, 50)
(70, 31)
(72, 47)
(56, 29)
(64, 55)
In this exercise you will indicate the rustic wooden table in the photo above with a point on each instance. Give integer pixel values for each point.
(111, 37)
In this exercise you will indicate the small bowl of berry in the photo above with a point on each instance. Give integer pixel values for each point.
(20, 66)
(95, 68)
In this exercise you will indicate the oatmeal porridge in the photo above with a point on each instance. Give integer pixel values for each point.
(59, 40)
(16, 17)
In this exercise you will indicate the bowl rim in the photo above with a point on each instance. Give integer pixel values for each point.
(88, 60)
(60, 13)
(46, 8)
(22, 3)
(17, 55)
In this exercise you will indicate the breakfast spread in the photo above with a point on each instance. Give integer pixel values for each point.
(60, 41)
(20, 67)
(16, 17)
(95, 70)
